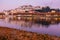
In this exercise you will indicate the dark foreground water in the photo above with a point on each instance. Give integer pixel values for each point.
(53, 29)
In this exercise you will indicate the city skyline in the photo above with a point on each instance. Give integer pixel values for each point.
(11, 4)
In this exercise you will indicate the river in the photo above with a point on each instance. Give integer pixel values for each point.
(52, 29)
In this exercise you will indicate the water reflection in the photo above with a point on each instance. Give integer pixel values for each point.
(52, 29)
(27, 24)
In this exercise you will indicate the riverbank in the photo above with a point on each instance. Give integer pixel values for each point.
(13, 34)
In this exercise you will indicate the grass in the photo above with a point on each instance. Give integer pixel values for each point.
(13, 34)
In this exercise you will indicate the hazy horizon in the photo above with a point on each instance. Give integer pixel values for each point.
(11, 4)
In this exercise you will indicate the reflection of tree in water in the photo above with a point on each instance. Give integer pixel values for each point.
(41, 25)
(27, 24)
(31, 24)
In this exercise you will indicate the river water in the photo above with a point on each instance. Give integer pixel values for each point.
(52, 29)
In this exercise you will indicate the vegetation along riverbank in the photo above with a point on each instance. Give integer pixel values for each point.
(13, 34)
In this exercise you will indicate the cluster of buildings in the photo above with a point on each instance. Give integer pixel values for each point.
(29, 12)
(32, 9)
(24, 8)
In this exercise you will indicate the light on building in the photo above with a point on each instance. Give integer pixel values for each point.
(53, 11)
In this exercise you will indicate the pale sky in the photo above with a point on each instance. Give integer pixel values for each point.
(11, 4)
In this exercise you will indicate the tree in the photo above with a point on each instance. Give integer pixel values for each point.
(46, 9)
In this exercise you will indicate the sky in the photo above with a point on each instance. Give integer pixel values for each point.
(11, 4)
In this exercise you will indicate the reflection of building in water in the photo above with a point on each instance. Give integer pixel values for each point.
(21, 23)
(7, 19)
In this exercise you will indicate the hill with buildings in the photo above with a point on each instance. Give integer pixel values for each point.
(32, 9)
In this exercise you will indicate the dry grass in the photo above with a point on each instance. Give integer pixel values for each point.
(13, 34)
